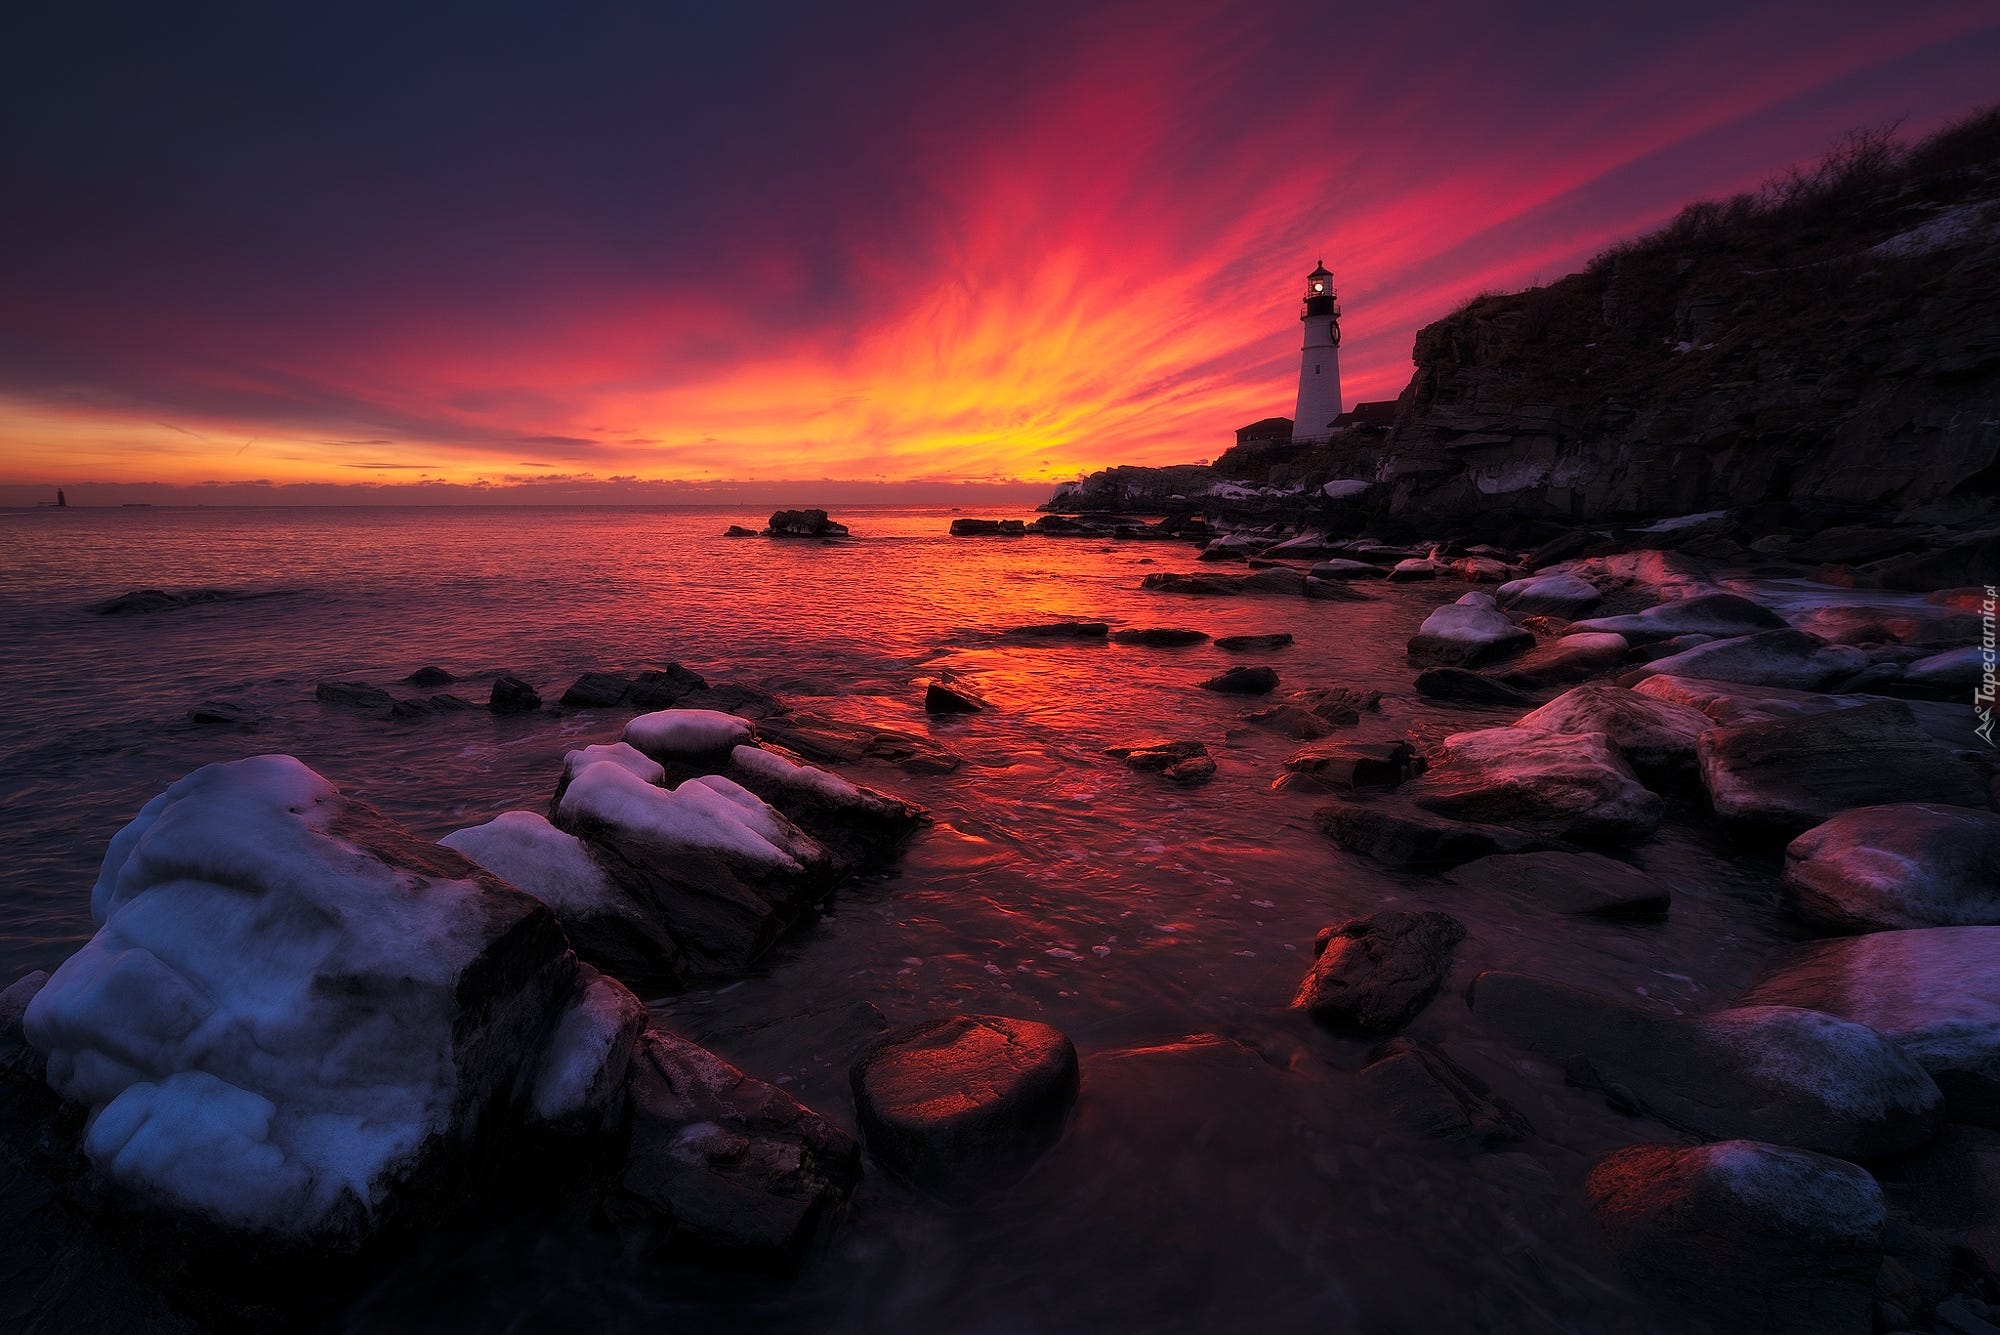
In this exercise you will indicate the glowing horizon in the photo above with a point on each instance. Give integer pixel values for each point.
(1082, 249)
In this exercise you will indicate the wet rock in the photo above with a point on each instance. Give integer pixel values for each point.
(1787, 658)
(353, 694)
(837, 741)
(577, 1092)
(1734, 702)
(860, 826)
(1277, 579)
(1463, 686)
(1723, 615)
(1952, 673)
(425, 708)
(1903, 865)
(1434, 1096)
(663, 688)
(803, 524)
(1308, 547)
(1746, 1235)
(1200, 584)
(1471, 631)
(1374, 974)
(732, 697)
(1089, 631)
(987, 528)
(738, 531)
(296, 1022)
(19, 1061)
(1347, 570)
(1655, 737)
(1483, 570)
(1161, 637)
(1243, 681)
(1967, 560)
(966, 1101)
(1548, 595)
(725, 1163)
(1355, 764)
(1787, 775)
(1572, 787)
(1779, 1073)
(1183, 762)
(1414, 569)
(1233, 547)
(1399, 835)
(1935, 991)
(511, 695)
(429, 678)
(1588, 884)
(1248, 644)
(597, 690)
(624, 935)
(1571, 658)
(948, 698)
(141, 601)
(224, 713)
(1332, 591)
(1292, 721)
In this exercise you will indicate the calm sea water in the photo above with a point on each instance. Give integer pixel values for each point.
(1203, 1187)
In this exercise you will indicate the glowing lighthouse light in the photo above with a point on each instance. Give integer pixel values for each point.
(1319, 362)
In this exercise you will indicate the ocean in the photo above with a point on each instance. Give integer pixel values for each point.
(1224, 1171)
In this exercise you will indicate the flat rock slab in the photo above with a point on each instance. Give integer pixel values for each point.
(1355, 764)
(1083, 631)
(1471, 631)
(838, 741)
(1183, 762)
(1906, 864)
(966, 1101)
(1400, 835)
(1572, 658)
(1718, 614)
(1779, 1073)
(1159, 637)
(945, 698)
(1786, 658)
(1569, 786)
(1787, 775)
(1750, 1236)
(1935, 991)
(1373, 975)
(1243, 681)
(1254, 644)
(1466, 687)
(1293, 721)
(1589, 884)
(1655, 737)
(1434, 1096)
(1199, 585)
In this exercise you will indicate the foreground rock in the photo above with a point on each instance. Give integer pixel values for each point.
(1750, 1236)
(1907, 864)
(1400, 835)
(1655, 737)
(1780, 1073)
(294, 1015)
(1471, 631)
(1374, 974)
(1466, 687)
(1787, 775)
(1722, 615)
(723, 1162)
(1434, 1096)
(1589, 884)
(1183, 762)
(1243, 681)
(967, 1101)
(1562, 786)
(943, 697)
(1935, 991)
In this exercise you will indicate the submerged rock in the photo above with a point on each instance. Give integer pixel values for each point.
(967, 1101)
(1063, 630)
(1338, 704)
(1374, 974)
(1466, 687)
(1163, 637)
(1183, 762)
(1434, 1096)
(1655, 737)
(1906, 864)
(294, 1016)
(1243, 681)
(1935, 991)
(1471, 631)
(223, 713)
(1563, 786)
(1780, 1073)
(1246, 644)
(1397, 834)
(353, 694)
(1293, 721)
(1719, 614)
(1750, 1236)
(1582, 883)
(724, 1162)
(511, 695)
(1787, 775)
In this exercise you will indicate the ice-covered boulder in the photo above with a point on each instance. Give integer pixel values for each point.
(620, 934)
(1780, 1073)
(697, 738)
(1749, 1236)
(1470, 631)
(1788, 658)
(1906, 864)
(1935, 991)
(1548, 595)
(1656, 738)
(294, 1014)
(860, 826)
(1345, 489)
(1719, 614)
(1570, 786)
(578, 1088)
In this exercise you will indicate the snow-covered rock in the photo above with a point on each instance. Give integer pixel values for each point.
(1570, 786)
(1346, 489)
(579, 1087)
(1470, 631)
(624, 936)
(1548, 595)
(1907, 864)
(1788, 658)
(709, 813)
(1934, 991)
(1655, 738)
(293, 1014)
(1748, 1236)
(1719, 614)
(646, 769)
(859, 825)
(685, 735)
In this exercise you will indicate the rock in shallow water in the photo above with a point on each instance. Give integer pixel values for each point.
(1183, 762)
(1463, 686)
(1569, 786)
(946, 698)
(512, 695)
(1788, 658)
(1751, 1236)
(1583, 883)
(1243, 681)
(1655, 737)
(1355, 764)
(1245, 644)
(1397, 834)
(1471, 631)
(1907, 864)
(1434, 1096)
(1548, 595)
(1374, 974)
(1160, 637)
(967, 1101)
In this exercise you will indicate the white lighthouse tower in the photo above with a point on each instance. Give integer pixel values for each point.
(1319, 363)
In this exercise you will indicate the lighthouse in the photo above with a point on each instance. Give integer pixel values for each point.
(1319, 363)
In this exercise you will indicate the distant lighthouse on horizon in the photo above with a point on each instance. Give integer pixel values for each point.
(1319, 362)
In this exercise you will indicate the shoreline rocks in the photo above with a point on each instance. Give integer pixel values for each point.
(803, 524)
(1469, 632)
(1372, 975)
(1903, 865)
(1572, 787)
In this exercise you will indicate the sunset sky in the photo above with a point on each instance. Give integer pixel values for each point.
(594, 249)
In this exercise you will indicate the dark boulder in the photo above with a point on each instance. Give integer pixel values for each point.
(738, 531)
(1374, 974)
(1355, 764)
(1089, 632)
(1294, 721)
(977, 528)
(1466, 687)
(1210, 585)
(597, 690)
(1243, 681)
(1164, 637)
(353, 694)
(942, 697)
(512, 695)
(1397, 834)
(428, 678)
(967, 1101)
(663, 688)
(803, 524)
(223, 713)
(1434, 1096)
(1183, 762)
(1247, 644)
(1907, 864)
